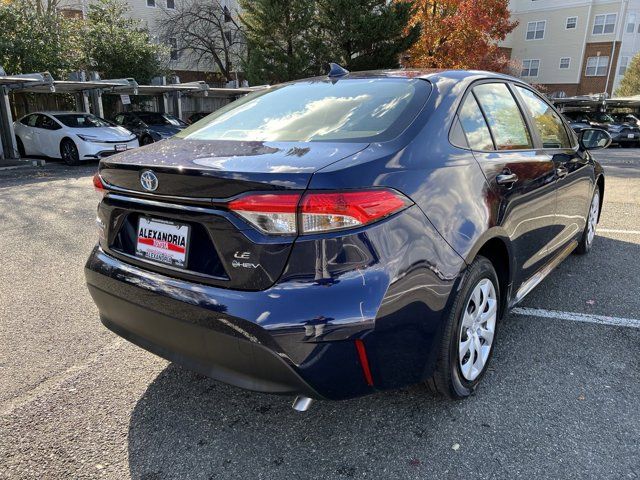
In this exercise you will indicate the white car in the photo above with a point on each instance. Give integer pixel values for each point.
(71, 136)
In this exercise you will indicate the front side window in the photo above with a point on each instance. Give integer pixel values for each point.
(535, 30)
(565, 63)
(572, 22)
(530, 68)
(349, 110)
(81, 120)
(151, 3)
(547, 122)
(604, 24)
(474, 126)
(503, 115)
(597, 66)
(171, 4)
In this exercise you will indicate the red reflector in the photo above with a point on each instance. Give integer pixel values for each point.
(267, 203)
(364, 362)
(363, 206)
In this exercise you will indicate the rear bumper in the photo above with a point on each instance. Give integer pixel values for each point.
(217, 355)
(624, 138)
(213, 331)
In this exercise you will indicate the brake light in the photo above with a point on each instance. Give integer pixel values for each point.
(323, 212)
(98, 185)
(270, 212)
(278, 213)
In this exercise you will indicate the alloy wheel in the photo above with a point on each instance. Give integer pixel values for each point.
(477, 329)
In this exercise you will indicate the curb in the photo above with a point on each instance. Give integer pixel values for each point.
(23, 164)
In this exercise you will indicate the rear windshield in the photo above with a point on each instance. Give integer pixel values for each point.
(349, 110)
(602, 118)
(160, 119)
(81, 120)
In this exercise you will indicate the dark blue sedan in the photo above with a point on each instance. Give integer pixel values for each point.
(337, 236)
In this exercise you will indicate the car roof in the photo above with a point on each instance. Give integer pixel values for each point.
(59, 112)
(433, 74)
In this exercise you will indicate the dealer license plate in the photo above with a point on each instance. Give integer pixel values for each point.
(121, 147)
(163, 241)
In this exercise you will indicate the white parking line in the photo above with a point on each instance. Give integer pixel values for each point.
(578, 317)
(613, 230)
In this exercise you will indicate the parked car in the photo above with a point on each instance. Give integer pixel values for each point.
(626, 118)
(71, 136)
(577, 125)
(342, 235)
(197, 116)
(150, 127)
(622, 133)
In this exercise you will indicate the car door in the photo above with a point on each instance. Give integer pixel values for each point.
(520, 175)
(574, 173)
(49, 136)
(28, 134)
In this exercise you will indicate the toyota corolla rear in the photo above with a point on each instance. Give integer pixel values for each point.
(216, 251)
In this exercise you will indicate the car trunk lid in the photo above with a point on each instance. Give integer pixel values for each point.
(222, 169)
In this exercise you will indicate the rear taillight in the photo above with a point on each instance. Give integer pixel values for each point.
(269, 212)
(98, 185)
(316, 212)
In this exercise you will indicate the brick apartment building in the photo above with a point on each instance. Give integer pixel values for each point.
(576, 47)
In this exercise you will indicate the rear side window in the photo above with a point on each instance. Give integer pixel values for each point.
(547, 122)
(503, 115)
(474, 126)
(349, 110)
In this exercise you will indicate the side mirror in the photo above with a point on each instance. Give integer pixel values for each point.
(594, 139)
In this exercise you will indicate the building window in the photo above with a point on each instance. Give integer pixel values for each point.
(530, 68)
(624, 63)
(171, 4)
(631, 23)
(572, 22)
(173, 48)
(604, 24)
(565, 62)
(151, 3)
(535, 30)
(227, 14)
(597, 66)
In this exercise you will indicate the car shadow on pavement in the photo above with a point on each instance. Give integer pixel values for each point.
(189, 426)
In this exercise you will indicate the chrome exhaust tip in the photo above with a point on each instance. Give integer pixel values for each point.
(302, 404)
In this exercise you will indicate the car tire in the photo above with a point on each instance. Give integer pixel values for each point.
(455, 377)
(69, 152)
(589, 233)
(21, 151)
(146, 140)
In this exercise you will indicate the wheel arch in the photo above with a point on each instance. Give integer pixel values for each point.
(62, 140)
(496, 247)
(600, 186)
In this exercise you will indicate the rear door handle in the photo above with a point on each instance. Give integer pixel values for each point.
(507, 179)
(562, 172)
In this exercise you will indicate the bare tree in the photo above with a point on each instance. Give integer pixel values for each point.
(206, 35)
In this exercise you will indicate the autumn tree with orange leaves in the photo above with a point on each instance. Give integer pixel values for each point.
(460, 34)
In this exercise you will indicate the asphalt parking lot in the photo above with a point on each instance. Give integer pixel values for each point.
(562, 399)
